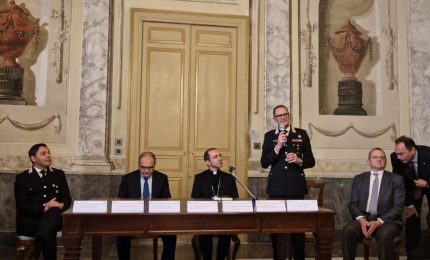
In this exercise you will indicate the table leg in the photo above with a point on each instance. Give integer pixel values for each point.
(323, 245)
(72, 246)
(97, 248)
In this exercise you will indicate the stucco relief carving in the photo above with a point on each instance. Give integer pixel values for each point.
(35, 125)
(339, 132)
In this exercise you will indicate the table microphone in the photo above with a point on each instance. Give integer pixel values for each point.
(232, 171)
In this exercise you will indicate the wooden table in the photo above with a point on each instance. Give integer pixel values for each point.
(78, 225)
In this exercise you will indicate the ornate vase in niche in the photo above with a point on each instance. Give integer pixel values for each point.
(349, 49)
(17, 29)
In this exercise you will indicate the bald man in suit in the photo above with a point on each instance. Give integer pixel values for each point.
(133, 186)
(376, 206)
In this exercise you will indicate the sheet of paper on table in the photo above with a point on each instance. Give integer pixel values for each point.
(302, 205)
(270, 206)
(237, 206)
(127, 206)
(164, 206)
(90, 206)
(202, 206)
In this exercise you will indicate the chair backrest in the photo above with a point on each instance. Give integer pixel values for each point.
(320, 187)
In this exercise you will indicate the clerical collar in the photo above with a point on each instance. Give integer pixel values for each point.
(214, 172)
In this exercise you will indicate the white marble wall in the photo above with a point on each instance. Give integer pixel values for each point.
(94, 79)
(419, 61)
(277, 56)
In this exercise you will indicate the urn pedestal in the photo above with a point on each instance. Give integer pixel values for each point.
(11, 86)
(350, 94)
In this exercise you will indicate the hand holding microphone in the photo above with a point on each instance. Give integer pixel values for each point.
(282, 137)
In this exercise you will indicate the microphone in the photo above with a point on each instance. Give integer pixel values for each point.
(282, 129)
(232, 171)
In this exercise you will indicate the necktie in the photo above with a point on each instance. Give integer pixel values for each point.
(145, 193)
(417, 192)
(43, 172)
(413, 170)
(373, 204)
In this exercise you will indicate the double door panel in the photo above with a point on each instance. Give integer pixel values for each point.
(187, 99)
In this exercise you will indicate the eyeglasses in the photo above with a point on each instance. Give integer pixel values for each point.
(282, 115)
(146, 167)
(378, 158)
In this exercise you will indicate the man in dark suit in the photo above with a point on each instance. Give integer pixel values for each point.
(413, 163)
(287, 150)
(41, 194)
(145, 183)
(216, 184)
(376, 206)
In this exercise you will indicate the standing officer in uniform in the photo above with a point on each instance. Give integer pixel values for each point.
(41, 194)
(288, 151)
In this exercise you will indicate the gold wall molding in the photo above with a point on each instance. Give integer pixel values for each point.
(37, 125)
(62, 37)
(389, 64)
(368, 134)
(311, 58)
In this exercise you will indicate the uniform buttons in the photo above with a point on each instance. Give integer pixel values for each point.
(44, 195)
(286, 167)
(44, 187)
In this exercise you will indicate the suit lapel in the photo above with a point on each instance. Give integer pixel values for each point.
(366, 183)
(422, 166)
(385, 186)
(136, 184)
(155, 185)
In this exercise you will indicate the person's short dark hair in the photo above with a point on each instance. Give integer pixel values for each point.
(375, 149)
(278, 106)
(206, 154)
(33, 150)
(150, 154)
(407, 141)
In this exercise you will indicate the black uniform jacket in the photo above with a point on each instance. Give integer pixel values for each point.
(31, 192)
(287, 179)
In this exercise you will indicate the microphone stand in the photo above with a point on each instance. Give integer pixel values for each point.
(233, 173)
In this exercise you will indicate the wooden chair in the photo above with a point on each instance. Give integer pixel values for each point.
(312, 186)
(367, 243)
(198, 253)
(25, 242)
